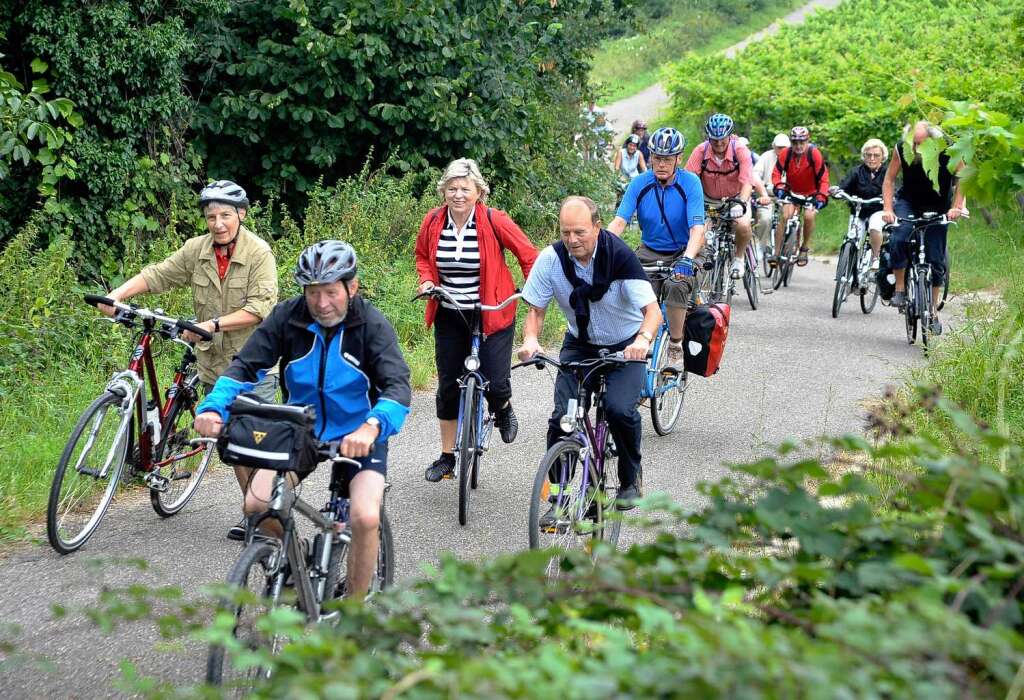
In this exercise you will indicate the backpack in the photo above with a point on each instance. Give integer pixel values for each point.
(704, 161)
(704, 336)
(818, 174)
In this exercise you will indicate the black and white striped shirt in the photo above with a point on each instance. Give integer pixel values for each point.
(458, 262)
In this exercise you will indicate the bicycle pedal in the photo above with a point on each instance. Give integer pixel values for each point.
(448, 477)
(89, 472)
(157, 482)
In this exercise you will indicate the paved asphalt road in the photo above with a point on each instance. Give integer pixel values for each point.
(790, 370)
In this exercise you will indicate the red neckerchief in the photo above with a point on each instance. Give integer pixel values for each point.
(223, 255)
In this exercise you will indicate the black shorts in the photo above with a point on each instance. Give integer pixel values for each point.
(342, 473)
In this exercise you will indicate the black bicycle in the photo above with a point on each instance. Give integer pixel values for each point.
(717, 282)
(475, 424)
(792, 237)
(853, 269)
(572, 475)
(301, 574)
(918, 309)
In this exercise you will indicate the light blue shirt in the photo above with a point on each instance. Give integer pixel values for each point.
(615, 317)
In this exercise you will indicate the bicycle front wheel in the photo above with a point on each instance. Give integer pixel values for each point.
(669, 390)
(750, 283)
(253, 578)
(566, 512)
(910, 310)
(467, 447)
(178, 480)
(88, 474)
(923, 302)
(844, 274)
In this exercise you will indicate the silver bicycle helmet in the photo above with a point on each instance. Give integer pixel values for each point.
(224, 192)
(325, 262)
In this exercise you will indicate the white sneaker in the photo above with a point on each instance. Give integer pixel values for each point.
(675, 355)
(738, 269)
(874, 265)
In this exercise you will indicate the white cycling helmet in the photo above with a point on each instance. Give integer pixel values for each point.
(224, 192)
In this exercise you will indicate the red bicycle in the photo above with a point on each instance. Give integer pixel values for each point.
(130, 419)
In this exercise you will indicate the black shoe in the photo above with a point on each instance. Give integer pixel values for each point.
(442, 468)
(507, 424)
(627, 496)
(549, 519)
(237, 532)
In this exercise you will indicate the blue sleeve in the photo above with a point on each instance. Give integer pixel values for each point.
(628, 205)
(391, 415)
(224, 392)
(694, 201)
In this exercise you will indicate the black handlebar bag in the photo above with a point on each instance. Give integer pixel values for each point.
(269, 436)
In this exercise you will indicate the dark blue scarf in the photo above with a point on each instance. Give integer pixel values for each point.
(614, 260)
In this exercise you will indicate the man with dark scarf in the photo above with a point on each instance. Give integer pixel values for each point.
(609, 304)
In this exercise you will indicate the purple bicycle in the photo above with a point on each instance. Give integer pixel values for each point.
(571, 476)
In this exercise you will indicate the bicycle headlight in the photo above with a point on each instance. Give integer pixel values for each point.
(567, 423)
(472, 363)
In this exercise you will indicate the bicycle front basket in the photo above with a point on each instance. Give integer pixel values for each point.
(269, 436)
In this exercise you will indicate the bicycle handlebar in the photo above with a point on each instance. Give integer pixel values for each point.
(845, 196)
(797, 199)
(441, 293)
(129, 310)
(327, 450)
(724, 211)
(540, 359)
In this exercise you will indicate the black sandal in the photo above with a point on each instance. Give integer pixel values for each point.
(801, 259)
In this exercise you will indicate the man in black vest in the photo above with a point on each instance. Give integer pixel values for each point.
(916, 196)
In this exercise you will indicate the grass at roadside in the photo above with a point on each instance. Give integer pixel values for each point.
(626, 65)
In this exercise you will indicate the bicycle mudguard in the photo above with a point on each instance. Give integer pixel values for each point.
(704, 338)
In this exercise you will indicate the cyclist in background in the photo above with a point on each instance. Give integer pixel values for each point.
(916, 196)
(802, 170)
(629, 161)
(233, 277)
(338, 353)
(608, 303)
(763, 171)
(669, 204)
(724, 167)
(865, 182)
(639, 130)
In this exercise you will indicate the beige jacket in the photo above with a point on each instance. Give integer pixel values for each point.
(250, 284)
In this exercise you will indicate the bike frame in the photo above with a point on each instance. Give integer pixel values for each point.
(591, 435)
(482, 440)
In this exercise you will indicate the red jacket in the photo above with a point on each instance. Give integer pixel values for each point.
(496, 283)
(800, 178)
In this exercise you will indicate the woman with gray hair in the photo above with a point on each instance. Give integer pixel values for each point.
(865, 181)
(461, 249)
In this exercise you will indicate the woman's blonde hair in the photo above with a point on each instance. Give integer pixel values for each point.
(875, 143)
(467, 168)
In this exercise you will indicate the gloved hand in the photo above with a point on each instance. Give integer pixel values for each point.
(779, 193)
(820, 203)
(684, 267)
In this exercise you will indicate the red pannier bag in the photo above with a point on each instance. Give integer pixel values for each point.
(707, 328)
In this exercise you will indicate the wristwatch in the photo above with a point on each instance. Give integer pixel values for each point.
(216, 325)
(374, 421)
(646, 335)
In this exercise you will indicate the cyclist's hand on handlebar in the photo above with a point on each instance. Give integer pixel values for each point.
(764, 200)
(192, 337)
(529, 348)
(889, 216)
(208, 424)
(637, 350)
(955, 213)
(359, 442)
(426, 287)
(108, 310)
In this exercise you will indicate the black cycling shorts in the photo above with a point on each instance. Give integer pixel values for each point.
(377, 461)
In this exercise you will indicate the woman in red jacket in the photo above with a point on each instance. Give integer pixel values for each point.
(460, 248)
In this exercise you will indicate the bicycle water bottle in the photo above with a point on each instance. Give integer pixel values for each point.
(153, 419)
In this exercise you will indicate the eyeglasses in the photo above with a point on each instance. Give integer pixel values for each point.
(872, 155)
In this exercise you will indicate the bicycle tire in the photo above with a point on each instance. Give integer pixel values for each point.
(924, 313)
(474, 480)
(573, 532)
(467, 447)
(664, 414)
(721, 275)
(868, 285)
(255, 560)
(945, 286)
(176, 437)
(767, 252)
(844, 273)
(750, 283)
(910, 310)
(95, 415)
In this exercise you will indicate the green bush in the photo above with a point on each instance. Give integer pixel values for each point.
(791, 582)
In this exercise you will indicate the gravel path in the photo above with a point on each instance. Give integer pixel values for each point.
(790, 371)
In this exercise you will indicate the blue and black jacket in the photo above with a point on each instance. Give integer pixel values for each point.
(348, 376)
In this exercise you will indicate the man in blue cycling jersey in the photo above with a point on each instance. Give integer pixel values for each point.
(338, 353)
(669, 205)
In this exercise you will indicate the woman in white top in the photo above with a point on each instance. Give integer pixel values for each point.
(629, 161)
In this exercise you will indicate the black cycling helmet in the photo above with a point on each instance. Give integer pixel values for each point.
(223, 192)
(325, 262)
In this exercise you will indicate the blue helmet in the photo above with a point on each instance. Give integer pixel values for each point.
(719, 126)
(666, 141)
